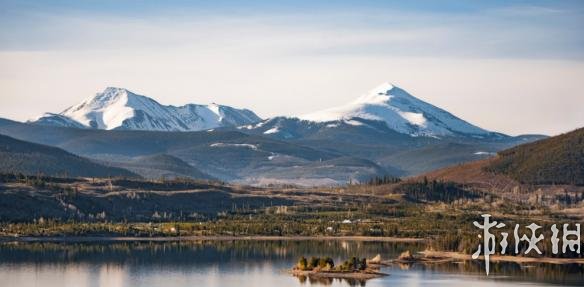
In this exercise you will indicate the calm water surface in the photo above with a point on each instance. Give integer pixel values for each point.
(243, 263)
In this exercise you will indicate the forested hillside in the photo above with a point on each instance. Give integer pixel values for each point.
(18, 156)
(555, 160)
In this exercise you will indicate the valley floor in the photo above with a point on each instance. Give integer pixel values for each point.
(437, 212)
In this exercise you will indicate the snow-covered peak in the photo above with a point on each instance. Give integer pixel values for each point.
(401, 112)
(110, 96)
(379, 95)
(106, 110)
(113, 90)
(118, 108)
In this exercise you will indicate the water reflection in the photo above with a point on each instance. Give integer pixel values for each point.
(329, 281)
(242, 263)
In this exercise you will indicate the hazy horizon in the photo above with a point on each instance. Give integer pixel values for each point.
(508, 66)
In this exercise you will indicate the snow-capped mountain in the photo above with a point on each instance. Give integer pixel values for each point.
(386, 111)
(400, 111)
(117, 108)
(386, 131)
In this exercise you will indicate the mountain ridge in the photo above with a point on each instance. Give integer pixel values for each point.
(557, 160)
(554, 160)
(384, 132)
(119, 108)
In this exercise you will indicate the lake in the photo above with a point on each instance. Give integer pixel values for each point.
(244, 263)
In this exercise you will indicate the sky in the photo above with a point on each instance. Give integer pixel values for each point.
(509, 66)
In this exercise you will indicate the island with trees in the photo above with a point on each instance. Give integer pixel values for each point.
(324, 267)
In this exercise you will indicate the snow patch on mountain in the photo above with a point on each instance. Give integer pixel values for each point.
(352, 122)
(249, 146)
(484, 153)
(272, 130)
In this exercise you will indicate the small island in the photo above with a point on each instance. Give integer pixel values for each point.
(324, 267)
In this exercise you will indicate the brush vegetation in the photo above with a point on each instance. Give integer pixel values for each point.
(556, 160)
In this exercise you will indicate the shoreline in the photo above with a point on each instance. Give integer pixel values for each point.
(501, 258)
(81, 239)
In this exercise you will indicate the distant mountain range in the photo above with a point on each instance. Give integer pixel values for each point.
(384, 132)
(117, 108)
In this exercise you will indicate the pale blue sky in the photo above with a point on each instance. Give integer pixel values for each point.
(509, 66)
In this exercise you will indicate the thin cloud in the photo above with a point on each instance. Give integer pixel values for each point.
(489, 34)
